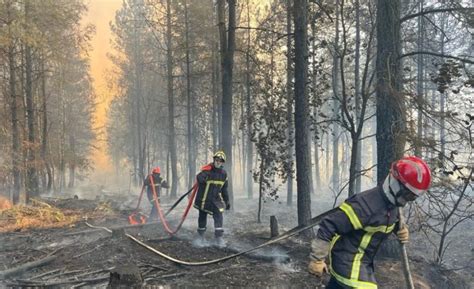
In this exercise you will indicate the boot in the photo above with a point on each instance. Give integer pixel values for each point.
(199, 241)
(220, 242)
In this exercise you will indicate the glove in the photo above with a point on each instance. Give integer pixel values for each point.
(317, 267)
(403, 235)
(227, 206)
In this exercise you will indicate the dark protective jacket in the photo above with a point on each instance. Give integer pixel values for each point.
(158, 183)
(212, 195)
(355, 232)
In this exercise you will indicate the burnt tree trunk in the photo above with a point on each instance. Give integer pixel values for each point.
(249, 153)
(189, 107)
(227, 40)
(171, 136)
(14, 120)
(303, 161)
(31, 173)
(289, 113)
(390, 103)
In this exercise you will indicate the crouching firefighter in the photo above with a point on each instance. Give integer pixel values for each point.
(154, 183)
(352, 235)
(212, 197)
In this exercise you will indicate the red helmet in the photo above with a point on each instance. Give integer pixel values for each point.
(413, 173)
(156, 170)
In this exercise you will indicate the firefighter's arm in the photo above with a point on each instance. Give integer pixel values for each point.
(202, 177)
(225, 195)
(164, 184)
(341, 222)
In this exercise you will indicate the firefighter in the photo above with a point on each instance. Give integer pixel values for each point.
(154, 180)
(212, 197)
(351, 236)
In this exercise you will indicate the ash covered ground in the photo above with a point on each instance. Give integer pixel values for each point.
(84, 257)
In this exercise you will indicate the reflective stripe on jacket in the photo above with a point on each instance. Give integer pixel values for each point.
(355, 233)
(212, 195)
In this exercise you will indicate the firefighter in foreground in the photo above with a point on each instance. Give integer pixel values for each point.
(212, 197)
(352, 234)
(156, 182)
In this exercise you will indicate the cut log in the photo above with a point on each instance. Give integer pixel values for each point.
(274, 227)
(125, 276)
(27, 266)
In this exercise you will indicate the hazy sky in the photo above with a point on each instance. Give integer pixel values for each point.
(100, 14)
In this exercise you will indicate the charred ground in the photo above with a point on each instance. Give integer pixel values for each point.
(84, 257)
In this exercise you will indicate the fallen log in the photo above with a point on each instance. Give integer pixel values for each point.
(27, 266)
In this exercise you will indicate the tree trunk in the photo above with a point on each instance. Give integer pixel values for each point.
(260, 191)
(442, 99)
(44, 135)
(227, 58)
(72, 161)
(289, 99)
(31, 175)
(14, 120)
(336, 108)
(303, 161)
(358, 96)
(390, 103)
(171, 137)
(249, 154)
(316, 107)
(190, 128)
(215, 101)
(138, 91)
(419, 84)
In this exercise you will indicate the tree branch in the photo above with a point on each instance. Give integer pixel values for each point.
(440, 10)
(437, 55)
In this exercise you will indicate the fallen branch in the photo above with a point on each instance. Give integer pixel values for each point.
(112, 228)
(88, 251)
(218, 270)
(170, 275)
(59, 282)
(46, 273)
(27, 266)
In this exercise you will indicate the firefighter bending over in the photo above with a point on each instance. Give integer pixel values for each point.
(352, 234)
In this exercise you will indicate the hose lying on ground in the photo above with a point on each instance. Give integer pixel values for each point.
(294, 231)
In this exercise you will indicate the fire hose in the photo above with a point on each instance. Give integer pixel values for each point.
(160, 211)
(294, 231)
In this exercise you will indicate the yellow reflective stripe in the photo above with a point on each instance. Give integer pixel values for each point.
(331, 244)
(346, 208)
(349, 282)
(203, 201)
(358, 257)
(381, 229)
(215, 182)
(353, 283)
(208, 183)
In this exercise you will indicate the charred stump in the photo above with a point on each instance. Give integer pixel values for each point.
(125, 276)
(273, 227)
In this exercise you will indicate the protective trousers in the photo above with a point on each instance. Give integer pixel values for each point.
(218, 223)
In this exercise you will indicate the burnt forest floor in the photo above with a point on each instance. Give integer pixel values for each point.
(84, 257)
